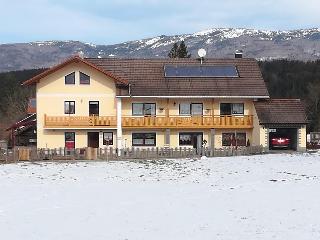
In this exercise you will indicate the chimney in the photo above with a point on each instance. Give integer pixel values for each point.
(238, 54)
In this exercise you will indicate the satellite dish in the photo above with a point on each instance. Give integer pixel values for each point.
(202, 53)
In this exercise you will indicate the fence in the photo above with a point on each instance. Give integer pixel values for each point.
(33, 154)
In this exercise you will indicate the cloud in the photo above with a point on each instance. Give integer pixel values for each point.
(102, 21)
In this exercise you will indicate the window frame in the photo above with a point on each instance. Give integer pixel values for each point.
(144, 109)
(235, 135)
(84, 83)
(91, 102)
(190, 109)
(144, 139)
(185, 114)
(191, 135)
(240, 113)
(103, 139)
(74, 108)
(74, 79)
(231, 109)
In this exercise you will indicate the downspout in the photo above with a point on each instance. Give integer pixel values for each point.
(130, 89)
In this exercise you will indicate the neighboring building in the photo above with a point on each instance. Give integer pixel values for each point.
(24, 132)
(160, 103)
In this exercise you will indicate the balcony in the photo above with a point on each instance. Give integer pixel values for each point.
(134, 122)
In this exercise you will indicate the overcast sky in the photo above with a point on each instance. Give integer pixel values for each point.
(107, 22)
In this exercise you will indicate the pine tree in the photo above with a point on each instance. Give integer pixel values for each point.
(174, 51)
(183, 51)
(179, 51)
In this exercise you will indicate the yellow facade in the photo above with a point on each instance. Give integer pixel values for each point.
(52, 92)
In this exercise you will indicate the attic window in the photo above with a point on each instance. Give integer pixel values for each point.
(176, 71)
(84, 78)
(70, 78)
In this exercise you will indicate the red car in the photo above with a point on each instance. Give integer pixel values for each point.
(280, 142)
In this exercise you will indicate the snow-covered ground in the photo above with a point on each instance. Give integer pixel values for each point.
(257, 197)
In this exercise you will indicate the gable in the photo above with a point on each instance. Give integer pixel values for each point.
(55, 81)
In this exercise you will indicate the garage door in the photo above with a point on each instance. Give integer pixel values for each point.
(279, 136)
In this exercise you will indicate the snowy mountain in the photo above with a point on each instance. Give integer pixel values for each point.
(301, 44)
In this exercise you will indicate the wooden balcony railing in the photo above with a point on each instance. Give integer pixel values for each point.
(79, 121)
(245, 121)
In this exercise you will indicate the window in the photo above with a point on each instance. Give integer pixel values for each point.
(225, 109)
(231, 109)
(137, 109)
(143, 109)
(190, 138)
(234, 139)
(69, 107)
(84, 78)
(69, 139)
(196, 108)
(143, 139)
(184, 109)
(94, 108)
(185, 139)
(241, 139)
(107, 138)
(191, 109)
(33, 102)
(237, 108)
(70, 78)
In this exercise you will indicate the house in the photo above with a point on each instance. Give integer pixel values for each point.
(100, 102)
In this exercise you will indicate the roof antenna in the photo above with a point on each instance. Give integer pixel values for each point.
(202, 53)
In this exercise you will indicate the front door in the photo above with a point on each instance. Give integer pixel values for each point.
(94, 108)
(93, 139)
(197, 140)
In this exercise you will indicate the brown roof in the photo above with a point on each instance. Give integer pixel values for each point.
(146, 77)
(74, 59)
(277, 111)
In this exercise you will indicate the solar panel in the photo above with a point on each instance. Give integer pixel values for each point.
(200, 71)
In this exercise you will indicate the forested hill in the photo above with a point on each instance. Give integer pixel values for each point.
(295, 79)
(285, 79)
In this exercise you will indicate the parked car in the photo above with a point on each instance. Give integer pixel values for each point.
(280, 142)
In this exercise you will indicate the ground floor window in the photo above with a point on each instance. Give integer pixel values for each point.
(189, 138)
(69, 140)
(107, 138)
(234, 139)
(143, 139)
